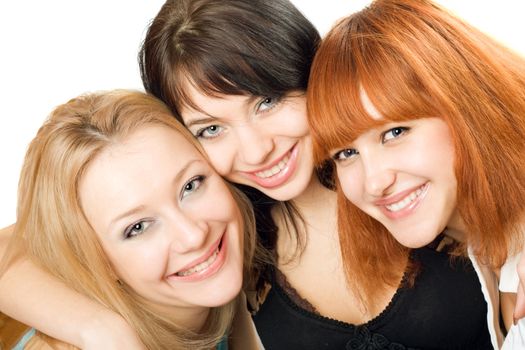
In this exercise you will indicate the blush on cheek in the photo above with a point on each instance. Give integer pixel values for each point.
(221, 160)
(349, 186)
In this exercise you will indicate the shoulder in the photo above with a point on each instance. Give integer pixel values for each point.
(444, 274)
(42, 342)
(244, 335)
(509, 278)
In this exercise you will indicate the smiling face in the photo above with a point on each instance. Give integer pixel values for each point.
(260, 142)
(167, 222)
(402, 174)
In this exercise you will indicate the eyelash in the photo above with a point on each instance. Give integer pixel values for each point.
(274, 100)
(337, 156)
(200, 133)
(128, 232)
(197, 179)
(402, 129)
(145, 224)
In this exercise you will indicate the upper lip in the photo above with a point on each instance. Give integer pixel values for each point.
(272, 164)
(396, 197)
(203, 258)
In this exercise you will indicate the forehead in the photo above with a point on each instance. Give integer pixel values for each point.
(134, 171)
(217, 105)
(151, 144)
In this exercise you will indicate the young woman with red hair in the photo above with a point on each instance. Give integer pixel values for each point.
(423, 117)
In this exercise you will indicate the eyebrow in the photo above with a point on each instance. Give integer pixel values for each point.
(210, 118)
(201, 121)
(141, 207)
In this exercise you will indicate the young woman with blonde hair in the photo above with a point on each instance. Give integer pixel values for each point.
(423, 116)
(165, 251)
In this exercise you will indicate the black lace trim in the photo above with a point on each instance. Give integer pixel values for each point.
(363, 339)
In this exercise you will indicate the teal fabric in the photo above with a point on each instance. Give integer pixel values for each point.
(22, 343)
(223, 345)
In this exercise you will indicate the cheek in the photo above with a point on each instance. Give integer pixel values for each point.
(441, 147)
(351, 183)
(436, 158)
(229, 212)
(297, 125)
(221, 157)
(218, 201)
(135, 265)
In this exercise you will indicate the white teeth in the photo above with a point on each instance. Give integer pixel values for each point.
(274, 170)
(405, 201)
(201, 266)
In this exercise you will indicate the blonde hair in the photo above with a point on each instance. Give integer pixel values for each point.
(414, 60)
(53, 228)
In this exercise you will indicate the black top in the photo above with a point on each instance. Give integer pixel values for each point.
(445, 309)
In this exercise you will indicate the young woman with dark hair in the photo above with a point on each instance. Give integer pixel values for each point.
(245, 104)
(235, 72)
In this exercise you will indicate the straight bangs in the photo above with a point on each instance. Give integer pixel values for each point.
(208, 77)
(413, 59)
(358, 61)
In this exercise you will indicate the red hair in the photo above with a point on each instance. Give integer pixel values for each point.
(414, 60)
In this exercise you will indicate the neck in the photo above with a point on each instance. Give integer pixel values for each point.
(189, 318)
(456, 227)
(317, 207)
(315, 198)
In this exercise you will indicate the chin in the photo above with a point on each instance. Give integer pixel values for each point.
(414, 239)
(224, 295)
(280, 196)
(288, 191)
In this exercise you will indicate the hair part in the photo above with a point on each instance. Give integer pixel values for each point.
(230, 47)
(53, 229)
(413, 60)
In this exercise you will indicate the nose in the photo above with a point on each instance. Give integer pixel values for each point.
(188, 233)
(379, 177)
(254, 145)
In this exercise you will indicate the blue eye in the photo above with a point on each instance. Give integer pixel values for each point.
(345, 154)
(136, 229)
(394, 133)
(209, 132)
(191, 186)
(267, 103)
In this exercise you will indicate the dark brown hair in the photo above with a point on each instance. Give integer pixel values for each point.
(231, 47)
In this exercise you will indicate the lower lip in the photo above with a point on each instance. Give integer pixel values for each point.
(281, 177)
(409, 209)
(210, 270)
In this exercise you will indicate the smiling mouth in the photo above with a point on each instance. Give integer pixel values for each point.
(203, 265)
(276, 169)
(410, 198)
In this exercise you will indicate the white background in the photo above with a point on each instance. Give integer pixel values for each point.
(51, 51)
